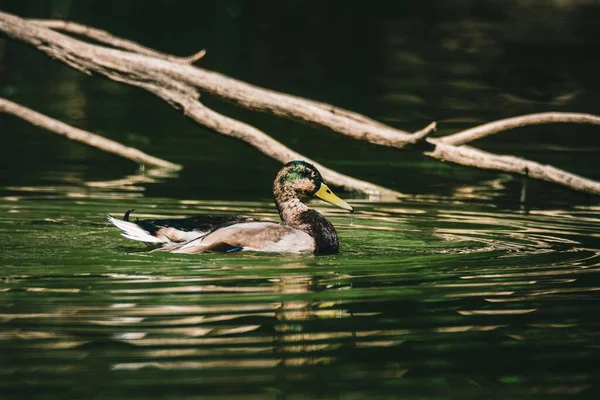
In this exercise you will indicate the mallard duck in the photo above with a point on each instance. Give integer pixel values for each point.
(302, 230)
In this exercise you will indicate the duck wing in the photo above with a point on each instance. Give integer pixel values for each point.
(174, 230)
(249, 236)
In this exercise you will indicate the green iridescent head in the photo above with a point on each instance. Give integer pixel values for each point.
(299, 179)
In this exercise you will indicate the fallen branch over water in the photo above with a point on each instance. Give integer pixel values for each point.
(79, 135)
(113, 41)
(492, 128)
(177, 82)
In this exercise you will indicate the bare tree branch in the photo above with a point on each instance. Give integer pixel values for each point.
(274, 149)
(102, 36)
(88, 58)
(420, 136)
(114, 41)
(254, 137)
(82, 136)
(492, 128)
(177, 83)
(471, 157)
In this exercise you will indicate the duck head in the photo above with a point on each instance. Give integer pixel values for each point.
(298, 180)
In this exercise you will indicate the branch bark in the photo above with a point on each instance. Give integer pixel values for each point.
(149, 74)
(492, 128)
(420, 136)
(102, 36)
(177, 83)
(471, 157)
(229, 89)
(79, 135)
(274, 149)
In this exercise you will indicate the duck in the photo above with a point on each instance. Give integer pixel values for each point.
(302, 229)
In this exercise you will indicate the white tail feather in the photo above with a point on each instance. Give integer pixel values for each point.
(133, 231)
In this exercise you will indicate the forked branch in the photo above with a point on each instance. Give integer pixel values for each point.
(177, 82)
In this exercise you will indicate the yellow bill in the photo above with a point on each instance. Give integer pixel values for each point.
(325, 194)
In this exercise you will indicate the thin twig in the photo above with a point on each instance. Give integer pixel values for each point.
(102, 36)
(82, 136)
(194, 57)
(523, 197)
(420, 136)
(491, 128)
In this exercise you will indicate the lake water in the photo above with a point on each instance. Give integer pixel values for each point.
(456, 291)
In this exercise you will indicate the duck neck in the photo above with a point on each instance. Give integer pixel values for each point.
(290, 211)
(298, 215)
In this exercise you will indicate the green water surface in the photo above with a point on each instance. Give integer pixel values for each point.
(458, 290)
(436, 299)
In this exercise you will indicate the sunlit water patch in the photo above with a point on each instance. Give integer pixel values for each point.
(433, 298)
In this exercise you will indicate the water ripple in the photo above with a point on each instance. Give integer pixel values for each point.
(421, 292)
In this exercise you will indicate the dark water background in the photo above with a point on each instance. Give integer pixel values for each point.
(457, 292)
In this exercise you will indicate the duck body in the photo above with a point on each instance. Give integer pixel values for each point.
(251, 236)
(302, 230)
